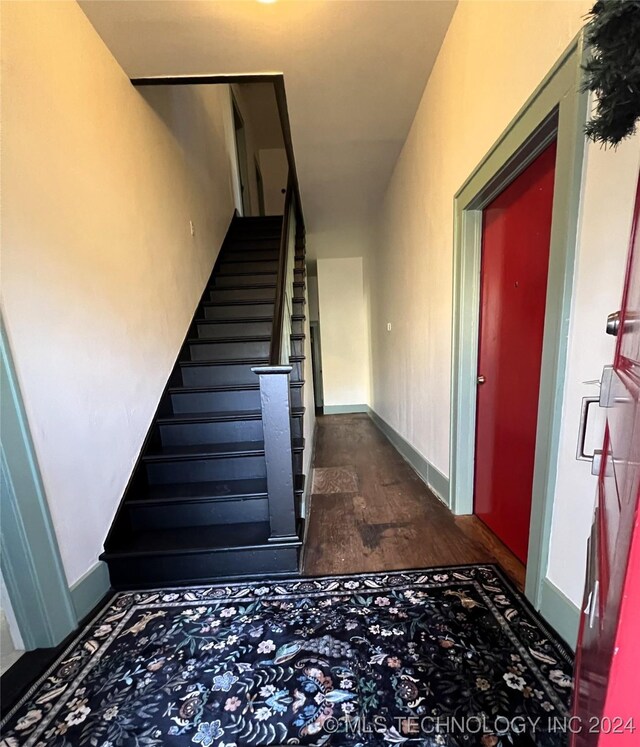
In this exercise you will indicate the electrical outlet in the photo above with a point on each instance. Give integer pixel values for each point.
(192, 228)
(388, 326)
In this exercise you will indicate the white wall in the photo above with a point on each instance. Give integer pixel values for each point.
(610, 179)
(343, 331)
(485, 71)
(101, 275)
(343, 241)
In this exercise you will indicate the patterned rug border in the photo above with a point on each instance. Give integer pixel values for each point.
(559, 643)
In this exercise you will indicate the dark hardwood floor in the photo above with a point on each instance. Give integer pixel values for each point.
(371, 512)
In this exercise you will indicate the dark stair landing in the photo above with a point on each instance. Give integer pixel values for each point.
(196, 509)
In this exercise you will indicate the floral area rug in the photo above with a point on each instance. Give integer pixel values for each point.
(449, 656)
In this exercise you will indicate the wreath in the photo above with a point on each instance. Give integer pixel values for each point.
(613, 71)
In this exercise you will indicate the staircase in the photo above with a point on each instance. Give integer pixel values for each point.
(205, 500)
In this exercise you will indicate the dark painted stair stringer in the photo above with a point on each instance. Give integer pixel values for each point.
(196, 509)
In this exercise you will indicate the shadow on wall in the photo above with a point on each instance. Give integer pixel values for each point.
(259, 166)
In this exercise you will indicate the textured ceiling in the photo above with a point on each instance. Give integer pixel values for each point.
(354, 73)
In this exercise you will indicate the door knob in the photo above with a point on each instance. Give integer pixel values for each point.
(481, 379)
(613, 323)
(631, 322)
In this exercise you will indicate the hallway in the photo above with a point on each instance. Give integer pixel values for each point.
(430, 651)
(371, 512)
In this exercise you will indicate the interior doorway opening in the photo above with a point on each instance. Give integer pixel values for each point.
(241, 156)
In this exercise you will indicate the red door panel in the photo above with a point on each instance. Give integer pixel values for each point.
(516, 232)
(607, 688)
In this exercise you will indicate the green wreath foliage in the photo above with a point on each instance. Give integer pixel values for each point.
(613, 72)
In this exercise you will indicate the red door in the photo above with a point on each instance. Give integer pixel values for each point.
(516, 231)
(607, 690)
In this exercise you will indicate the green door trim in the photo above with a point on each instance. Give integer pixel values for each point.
(556, 109)
(31, 563)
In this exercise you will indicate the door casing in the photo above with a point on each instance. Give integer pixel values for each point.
(556, 109)
(241, 157)
(31, 562)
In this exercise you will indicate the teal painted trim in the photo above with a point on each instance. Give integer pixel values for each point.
(560, 612)
(556, 109)
(564, 237)
(90, 589)
(344, 409)
(307, 466)
(435, 480)
(306, 495)
(31, 562)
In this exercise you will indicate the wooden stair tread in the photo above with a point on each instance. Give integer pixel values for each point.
(255, 273)
(227, 362)
(224, 387)
(213, 490)
(197, 539)
(249, 286)
(226, 415)
(240, 302)
(212, 451)
(218, 490)
(234, 338)
(235, 320)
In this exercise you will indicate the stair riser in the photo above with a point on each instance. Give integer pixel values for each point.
(206, 470)
(244, 266)
(155, 570)
(217, 295)
(234, 281)
(184, 434)
(189, 402)
(219, 351)
(239, 246)
(205, 375)
(217, 330)
(198, 513)
(238, 254)
(254, 234)
(241, 311)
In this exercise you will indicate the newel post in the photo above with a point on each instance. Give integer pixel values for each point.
(276, 422)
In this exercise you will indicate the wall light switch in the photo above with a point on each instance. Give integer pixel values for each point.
(388, 326)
